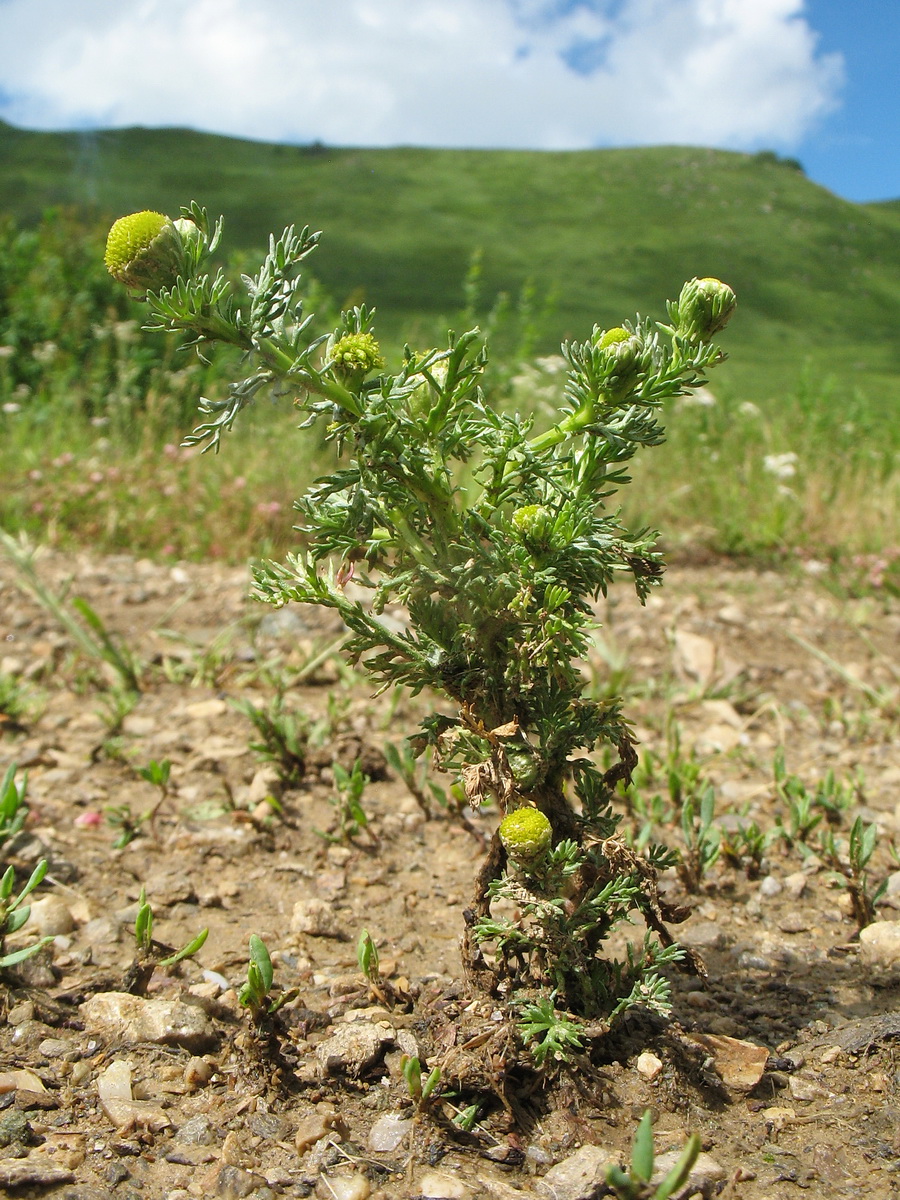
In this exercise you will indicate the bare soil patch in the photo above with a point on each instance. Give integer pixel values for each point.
(745, 661)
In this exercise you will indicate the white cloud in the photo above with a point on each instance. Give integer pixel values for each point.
(517, 73)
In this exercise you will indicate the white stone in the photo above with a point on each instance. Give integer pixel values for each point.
(315, 917)
(353, 1048)
(343, 1187)
(649, 1065)
(704, 1174)
(389, 1132)
(51, 916)
(578, 1177)
(438, 1185)
(132, 1019)
(879, 947)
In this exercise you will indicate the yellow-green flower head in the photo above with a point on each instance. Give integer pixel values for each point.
(612, 337)
(526, 834)
(356, 354)
(533, 522)
(144, 251)
(618, 356)
(704, 307)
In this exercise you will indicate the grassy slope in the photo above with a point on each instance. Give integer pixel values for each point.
(818, 277)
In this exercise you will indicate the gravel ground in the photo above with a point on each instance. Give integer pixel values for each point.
(783, 1060)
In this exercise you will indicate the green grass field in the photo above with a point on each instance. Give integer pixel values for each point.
(572, 238)
(604, 232)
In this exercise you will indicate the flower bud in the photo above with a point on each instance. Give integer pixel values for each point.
(703, 308)
(618, 356)
(356, 354)
(533, 523)
(144, 251)
(526, 834)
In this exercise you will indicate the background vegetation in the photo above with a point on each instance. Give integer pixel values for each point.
(796, 448)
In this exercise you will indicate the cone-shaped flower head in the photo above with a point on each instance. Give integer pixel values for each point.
(144, 251)
(533, 523)
(703, 308)
(356, 354)
(526, 834)
(619, 356)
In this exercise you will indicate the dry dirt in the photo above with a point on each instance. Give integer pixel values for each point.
(745, 661)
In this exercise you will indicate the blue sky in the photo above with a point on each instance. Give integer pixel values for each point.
(856, 150)
(814, 80)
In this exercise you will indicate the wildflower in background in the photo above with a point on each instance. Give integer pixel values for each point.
(702, 398)
(782, 466)
(749, 409)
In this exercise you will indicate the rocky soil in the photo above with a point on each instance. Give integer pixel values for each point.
(783, 1060)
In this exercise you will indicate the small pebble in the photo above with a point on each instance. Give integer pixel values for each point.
(770, 886)
(343, 1187)
(51, 916)
(648, 1064)
(389, 1132)
(795, 884)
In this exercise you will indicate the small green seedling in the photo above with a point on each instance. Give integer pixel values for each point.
(367, 958)
(156, 773)
(702, 840)
(421, 1092)
(746, 847)
(16, 708)
(801, 817)
(852, 871)
(635, 1183)
(414, 774)
(13, 809)
(13, 914)
(120, 817)
(284, 737)
(151, 953)
(350, 786)
(255, 994)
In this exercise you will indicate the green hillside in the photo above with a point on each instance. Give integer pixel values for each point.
(609, 231)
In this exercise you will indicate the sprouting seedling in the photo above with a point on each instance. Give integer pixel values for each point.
(702, 840)
(852, 872)
(421, 1091)
(369, 964)
(120, 817)
(634, 1184)
(16, 707)
(414, 774)
(350, 786)
(14, 914)
(284, 737)
(802, 817)
(13, 809)
(150, 953)
(746, 846)
(156, 773)
(255, 994)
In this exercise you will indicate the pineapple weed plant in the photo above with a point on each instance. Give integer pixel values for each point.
(496, 540)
